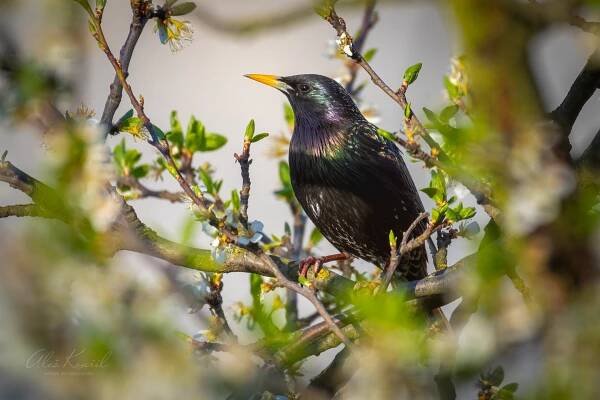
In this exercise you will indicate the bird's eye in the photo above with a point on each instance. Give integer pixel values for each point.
(303, 88)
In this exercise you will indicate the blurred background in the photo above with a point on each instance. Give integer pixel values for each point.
(205, 79)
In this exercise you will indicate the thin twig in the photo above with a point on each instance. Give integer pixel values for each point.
(310, 296)
(405, 248)
(368, 22)
(23, 210)
(244, 161)
(215, 303)
(138, 22)
(159, 143)
(143, 191)
(582, 89)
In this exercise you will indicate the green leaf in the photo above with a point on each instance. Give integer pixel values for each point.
(385, 134)
(369, 54)
(207, 180)
(235, 200)
(315, 237)
(182, 9)
(160, 135)
(430, 115)
(125, 117)
(119, 156)
(511, 387)
(452, 215)
(452, 90)
(214, 141)
(175, 124)
(132, 157)
(92, 26)
(287, 193)
(448, 113)
(195, 137)
(284, 174)
(412, 73)
(249, 130)
(259, 137)
(438, 182)
(467, 213)
(176, 140)
(140, 171)
(86, 7)
(288, 114)
(218, 185)
(496, 377)
(430, 192)
(438, 213)
(323, 8)
(100, 4)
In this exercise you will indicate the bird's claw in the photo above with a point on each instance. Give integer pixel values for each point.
(318, 262)
(305, 264)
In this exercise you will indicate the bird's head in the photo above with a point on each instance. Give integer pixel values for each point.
(313, 96)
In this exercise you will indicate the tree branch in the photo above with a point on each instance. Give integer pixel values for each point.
(160, 143)
(591, 156)
(133, 235)
(244, 161)
(406, 248)
(578, 95)
(138, 22)
(145, 192)
(332, 378)
(22, 210)
(368, 22)
(310, 296)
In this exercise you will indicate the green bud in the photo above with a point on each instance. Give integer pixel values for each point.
(249, 130)
(412, 73)
(183, 8)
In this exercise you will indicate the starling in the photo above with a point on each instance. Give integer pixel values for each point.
(351, 182)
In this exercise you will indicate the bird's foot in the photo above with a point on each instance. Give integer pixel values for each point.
(317, 262)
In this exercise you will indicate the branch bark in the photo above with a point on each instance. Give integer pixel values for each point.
(133, 235)
(578, 95)
(145, 192)
(138, 22)
(244, 161)
(591, 156)
(22, 210)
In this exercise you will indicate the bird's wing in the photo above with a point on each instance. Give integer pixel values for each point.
(381, 164)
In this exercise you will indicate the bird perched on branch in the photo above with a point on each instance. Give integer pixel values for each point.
(351, 182)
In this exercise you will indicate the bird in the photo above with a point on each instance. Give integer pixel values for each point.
(351, 181)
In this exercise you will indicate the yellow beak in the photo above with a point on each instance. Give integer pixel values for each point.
(270, 80)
